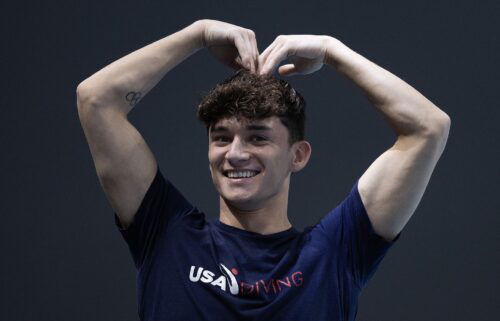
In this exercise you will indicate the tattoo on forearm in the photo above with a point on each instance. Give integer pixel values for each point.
(133, 97)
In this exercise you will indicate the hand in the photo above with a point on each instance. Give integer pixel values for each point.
(305, 52)
(234, 46)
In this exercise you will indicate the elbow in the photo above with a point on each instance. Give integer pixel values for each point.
(438, 128)
(441, 124)
(443, 119)
(88, 95)
(85, 95)
(433, 125)
(83, 90)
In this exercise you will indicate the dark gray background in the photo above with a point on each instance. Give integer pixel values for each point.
(63, 258)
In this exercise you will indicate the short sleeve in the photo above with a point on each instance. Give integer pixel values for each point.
(161, 207)
(352, 235)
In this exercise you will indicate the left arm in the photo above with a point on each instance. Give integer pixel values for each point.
(392, 187)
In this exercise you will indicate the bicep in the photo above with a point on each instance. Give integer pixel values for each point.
(124, 162)
(393, 185)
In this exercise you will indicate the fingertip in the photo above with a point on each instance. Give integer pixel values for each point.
(263, 70)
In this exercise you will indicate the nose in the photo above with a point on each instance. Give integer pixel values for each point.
(237, 152)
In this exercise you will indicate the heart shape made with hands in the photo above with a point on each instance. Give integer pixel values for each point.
(306, 54)
(236, 47)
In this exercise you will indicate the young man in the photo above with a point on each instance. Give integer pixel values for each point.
(251, 264)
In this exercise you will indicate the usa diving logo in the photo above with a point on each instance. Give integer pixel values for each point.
(255, 288)
(207, 276)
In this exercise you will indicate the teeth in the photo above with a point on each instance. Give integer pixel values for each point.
(241, 174)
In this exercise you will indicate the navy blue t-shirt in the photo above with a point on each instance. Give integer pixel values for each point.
(190, 269)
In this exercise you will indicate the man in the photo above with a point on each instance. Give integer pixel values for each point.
(251, 264)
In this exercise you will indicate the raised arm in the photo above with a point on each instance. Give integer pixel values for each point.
(393, 185)
(124, 163)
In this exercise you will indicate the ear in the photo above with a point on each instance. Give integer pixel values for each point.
(302, 153)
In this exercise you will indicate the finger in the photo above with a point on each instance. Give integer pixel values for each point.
(243, 50)
(269, 48)
(263, 56)
(251, 51)
(268, 56)
(287, 70)
(276, 56)
(255, 48)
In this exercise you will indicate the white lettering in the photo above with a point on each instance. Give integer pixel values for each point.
(197, 277)
(207, 276)
(220, 282)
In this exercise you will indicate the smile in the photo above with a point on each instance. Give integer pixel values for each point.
(239, 174)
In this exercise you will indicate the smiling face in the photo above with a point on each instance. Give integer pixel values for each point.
(258, 149)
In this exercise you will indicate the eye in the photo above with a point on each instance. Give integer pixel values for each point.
(219, 138)
(259, 138)
(254, 138)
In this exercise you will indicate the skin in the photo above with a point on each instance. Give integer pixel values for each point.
(392, 187)
(260, 204)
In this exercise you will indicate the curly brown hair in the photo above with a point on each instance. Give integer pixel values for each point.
(248, 96)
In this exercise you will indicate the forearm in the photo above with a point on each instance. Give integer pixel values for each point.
(407, 111)
(124, 82)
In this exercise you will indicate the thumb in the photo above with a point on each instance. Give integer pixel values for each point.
(287, 70)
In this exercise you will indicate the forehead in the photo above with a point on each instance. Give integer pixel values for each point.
(270, 124)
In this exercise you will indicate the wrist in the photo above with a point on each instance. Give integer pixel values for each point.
(197, 29)
(333, 47)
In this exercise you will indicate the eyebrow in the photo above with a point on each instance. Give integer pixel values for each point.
(219, 129)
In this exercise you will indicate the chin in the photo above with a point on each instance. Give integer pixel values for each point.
(239, 201)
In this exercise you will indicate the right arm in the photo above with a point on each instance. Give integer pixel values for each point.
(124, 163)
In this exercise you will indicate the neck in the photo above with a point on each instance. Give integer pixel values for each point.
(267, 217)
